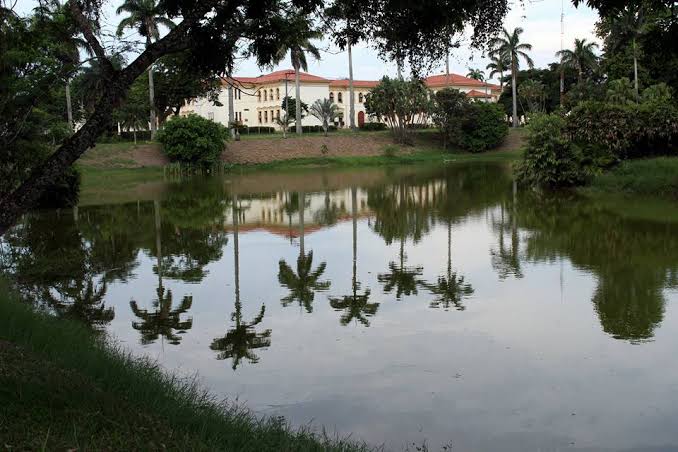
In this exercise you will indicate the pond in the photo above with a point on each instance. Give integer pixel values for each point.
(401, 306)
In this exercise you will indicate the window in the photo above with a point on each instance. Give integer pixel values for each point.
(265, 95)
(339, 99)
(360, 98)
(272, 116)
(258, 96)
(265, 116)
(238, 93)
(259, 117)
(277, 114)
(277, 94)
(270, 94)
(210, 116)
(331, 97)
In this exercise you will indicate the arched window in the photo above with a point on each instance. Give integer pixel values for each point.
(265, 95)
(339, 99)
(331, 97)
(265, 116)
(259, 97)
(277, 94)
(360, 98)
(270, 94)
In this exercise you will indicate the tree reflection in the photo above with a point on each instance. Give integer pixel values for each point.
(304, 283)
(356, 305)
(164, 322)
(240, 341)
(506, 259)
(449, 289)
(82, 301)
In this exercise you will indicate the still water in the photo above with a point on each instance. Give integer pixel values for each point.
(400, 305)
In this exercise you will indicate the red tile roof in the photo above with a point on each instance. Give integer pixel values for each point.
(454, 79)
(279, 76)
(343, 83)
(476, 93)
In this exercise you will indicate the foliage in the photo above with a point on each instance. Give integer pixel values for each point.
(620, 92)
(193, 139)
(401, 104)
(474, 126)
(631, 130)
(325, 111)
(373, 126)
(582, 92)
(550, 159)
(659, 93)
(291, 104)
(653, 177)
(533, 94)
(582, 58)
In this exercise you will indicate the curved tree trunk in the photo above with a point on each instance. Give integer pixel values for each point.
(297, 88)
(69, 108)
(514, 93)
(351, 93)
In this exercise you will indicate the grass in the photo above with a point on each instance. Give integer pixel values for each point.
(655, 177)
(62, 387)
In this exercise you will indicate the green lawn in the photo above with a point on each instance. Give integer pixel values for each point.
(655, 177)
(63, 387)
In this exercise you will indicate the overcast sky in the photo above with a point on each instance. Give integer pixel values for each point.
(539, 19)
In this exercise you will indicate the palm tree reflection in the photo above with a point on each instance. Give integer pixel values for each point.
(82, 301)
(356, 305)
(304, 283)
(240, 340)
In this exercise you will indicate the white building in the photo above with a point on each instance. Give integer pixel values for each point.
(257, 101)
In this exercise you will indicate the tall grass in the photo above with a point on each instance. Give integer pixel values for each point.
(129, 402)
(657, 177)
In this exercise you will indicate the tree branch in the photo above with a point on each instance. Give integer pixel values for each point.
(88, 33)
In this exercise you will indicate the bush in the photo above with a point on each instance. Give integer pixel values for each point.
(482, 127)
(259, 129)
(193, 139)
(315, 129)
(373, 126)
(473, 126)
(626, 131)
(550, 159)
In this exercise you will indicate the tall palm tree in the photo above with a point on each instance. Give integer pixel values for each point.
(298, 45)
(498, 65)
(304, 283)
(508, 46)
(240, 340)
(145, 16)
(355, 305)
(630, 25)
(582, 57)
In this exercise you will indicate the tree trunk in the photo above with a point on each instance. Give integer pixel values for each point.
(635, 69)
(351, 93)
(562, 84)
(447, 67)
(297, 88)
(69, 108)
(134, 132)
(231, 111)
(354, 215)
(513, 92)
(151, 98)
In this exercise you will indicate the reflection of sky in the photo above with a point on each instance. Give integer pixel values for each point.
(525, 366)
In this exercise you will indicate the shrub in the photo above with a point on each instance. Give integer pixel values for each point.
(550, 159)
(373, 126)
(626, 131)
(315, 129)
(193, 139)
(390, 150)
(482, 127)
(260, 129)
(473, 126)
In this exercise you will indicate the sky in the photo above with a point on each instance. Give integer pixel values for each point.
(539, 18)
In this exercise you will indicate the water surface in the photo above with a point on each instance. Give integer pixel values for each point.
(398, 305)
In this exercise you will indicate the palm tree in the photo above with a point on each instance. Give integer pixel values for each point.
(240, 340)
(355, 305)
(304, 283)
(325, 110)
(498, 65)
(580, 58)
(630, 24)
(145, 16)
(509, 47)
(479, 75)
(298, 44)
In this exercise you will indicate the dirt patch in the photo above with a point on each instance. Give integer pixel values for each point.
(515, 140)
(149, 155)
(274, 149)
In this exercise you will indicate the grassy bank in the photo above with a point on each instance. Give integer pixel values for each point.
(63, 388)
(655, 177)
